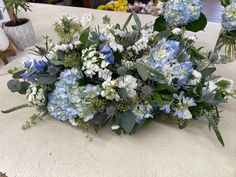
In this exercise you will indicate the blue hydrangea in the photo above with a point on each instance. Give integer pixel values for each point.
(143, 112)
(59, 104)
(164, 52)
(182, 71)
(164, 58)
(180, 12)
(229, 17)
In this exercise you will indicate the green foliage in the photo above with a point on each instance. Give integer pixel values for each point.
(127, 21)
(84, 36)
(33, 120)
(17, 86)
(127, 121)
(67, 29)
(16, 6)
(213, 118)
(208, 72)
(225, 2)
(49, 80)
(142, 71)
(71, 59)
(16, 72)
(197, 25)
(14, 85)
(106, 20)
(160, 24)
(137, 21)
(46, 48)
(16, 108)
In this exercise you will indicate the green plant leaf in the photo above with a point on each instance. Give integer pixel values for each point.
(123, 93)
(84, 36)
(158, 98)
(14, 85)
(25, 85)
(197, 25)
(127, 22)
(137, 21)
(142, 71)
(217, 132)
(127, 121)
(208, 71)
(182, 123)
(160, 24)
(46, 80)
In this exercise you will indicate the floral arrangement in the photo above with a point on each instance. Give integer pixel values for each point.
(225, 48)
(125, 78)
(138, 7)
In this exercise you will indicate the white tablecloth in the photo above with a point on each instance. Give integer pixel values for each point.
(56, 149)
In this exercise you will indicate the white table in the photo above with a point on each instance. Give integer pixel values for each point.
(55, 149)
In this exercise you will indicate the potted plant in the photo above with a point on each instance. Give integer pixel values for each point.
(19, 30)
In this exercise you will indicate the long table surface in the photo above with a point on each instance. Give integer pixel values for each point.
(56, 149)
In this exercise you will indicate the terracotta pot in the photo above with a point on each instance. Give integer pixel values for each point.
(22, 36)
(4, 42)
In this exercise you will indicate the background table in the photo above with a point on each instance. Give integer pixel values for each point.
(55, 149)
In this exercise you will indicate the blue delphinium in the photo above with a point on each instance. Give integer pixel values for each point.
(109, 56)
(229, 17)
(181, 12)
(59, 104)
(33, 68)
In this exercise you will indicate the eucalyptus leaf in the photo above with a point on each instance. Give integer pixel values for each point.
(137, 21)
(123, 93)
(46, 80)
(127, 121)
(142, 71)
(127, 22)
(208, 72)
(14, 85)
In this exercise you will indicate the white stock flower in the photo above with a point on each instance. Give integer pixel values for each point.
(129, 83)
(177, 31)
(192, 38)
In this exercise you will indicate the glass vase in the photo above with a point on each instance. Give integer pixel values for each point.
(225, 49)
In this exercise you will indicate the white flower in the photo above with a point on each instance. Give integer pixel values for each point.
(197, 78)
(105, 74)
(192, 38)
(104, 64)
(109, 91)
(76, 43)
(73, 122)
(86, 18)
(211, 86)
(115, 127)
(230, 84)
(129, 83)
(88, 117)
(176, 31)
(187, 114)
(35, 95)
